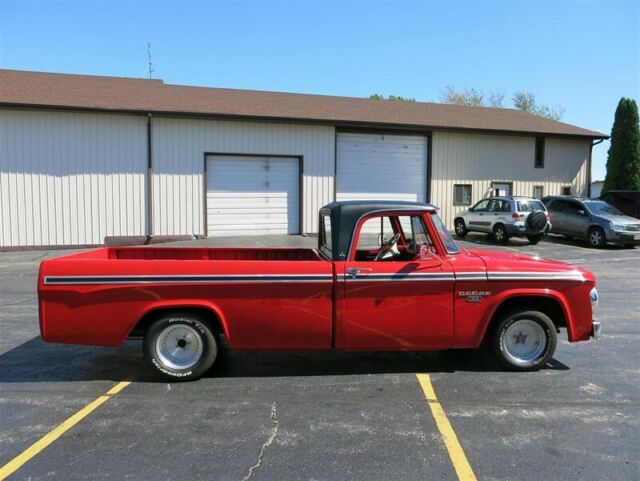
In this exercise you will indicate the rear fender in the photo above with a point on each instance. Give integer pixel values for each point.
(191, 304)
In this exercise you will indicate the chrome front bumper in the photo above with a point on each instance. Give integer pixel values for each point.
(596, 330)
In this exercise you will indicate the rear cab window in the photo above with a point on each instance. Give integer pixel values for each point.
(326, 240)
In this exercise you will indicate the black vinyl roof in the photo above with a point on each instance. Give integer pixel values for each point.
(345, 215)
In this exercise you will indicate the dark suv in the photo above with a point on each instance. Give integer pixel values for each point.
(627, 201)
(592, 220)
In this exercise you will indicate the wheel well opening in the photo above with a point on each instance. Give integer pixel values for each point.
(209, 316)
(546, 305)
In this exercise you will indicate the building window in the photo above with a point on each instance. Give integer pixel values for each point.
(462, 194)
(538, 191)
(539, 162)
(566, 190)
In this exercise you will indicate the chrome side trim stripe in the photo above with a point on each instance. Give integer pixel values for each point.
(311, 278)
(185, 279)
(469, 276)
(536, 276)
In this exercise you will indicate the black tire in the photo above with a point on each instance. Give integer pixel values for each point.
(502, 348)
(460, 228)
(189, 329)
(536, 222)
(500, 234)
(596, 237)
(534, 239)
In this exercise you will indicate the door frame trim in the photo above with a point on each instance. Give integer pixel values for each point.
(299, 158)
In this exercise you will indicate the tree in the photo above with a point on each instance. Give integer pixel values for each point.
(623, 161)
(521, 100)
(527, 101)
(468, 97)
(391, 97)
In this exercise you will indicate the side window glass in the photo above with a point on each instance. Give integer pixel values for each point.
(556, 206)
(374, 232)
(572, 208)
(481, 206)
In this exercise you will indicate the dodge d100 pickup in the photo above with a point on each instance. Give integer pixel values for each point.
(385, 276)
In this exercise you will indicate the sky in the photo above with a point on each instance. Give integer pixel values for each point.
(580, 55)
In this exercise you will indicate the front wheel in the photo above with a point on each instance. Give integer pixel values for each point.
(523, 340)
(180, 346)
(596, 237)
(461, 228)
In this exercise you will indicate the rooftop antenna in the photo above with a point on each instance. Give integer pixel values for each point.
(149, 63)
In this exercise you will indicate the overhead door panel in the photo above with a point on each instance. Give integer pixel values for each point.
(380, 166)
(252, 195)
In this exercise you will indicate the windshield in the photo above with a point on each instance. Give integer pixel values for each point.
(602, 208)
(449, 244)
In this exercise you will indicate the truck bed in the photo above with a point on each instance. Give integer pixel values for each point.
(265, 298)
(199, 254)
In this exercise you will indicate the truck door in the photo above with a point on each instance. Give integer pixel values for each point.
(395, 298)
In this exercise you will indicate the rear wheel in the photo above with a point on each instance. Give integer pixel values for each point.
(534, 239)
(180, 346)
(500, 234)
(523, 340)
(596, 237)
(460, 227)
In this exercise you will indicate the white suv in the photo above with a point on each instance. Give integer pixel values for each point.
(505, 217)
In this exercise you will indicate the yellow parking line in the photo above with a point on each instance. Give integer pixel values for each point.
(37, 447)
(458, 458)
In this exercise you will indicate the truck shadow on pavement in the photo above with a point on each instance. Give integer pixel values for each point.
(37, 361)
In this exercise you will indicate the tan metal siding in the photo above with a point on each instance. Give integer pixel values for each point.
(179, 146)
(70, 178)
(480, 159)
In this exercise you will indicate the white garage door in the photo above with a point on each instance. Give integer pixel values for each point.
(376, 166)
(252, 195)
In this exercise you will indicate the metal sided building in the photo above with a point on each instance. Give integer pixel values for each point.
(83, 158)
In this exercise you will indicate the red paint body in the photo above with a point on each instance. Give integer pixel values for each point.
(331, 311)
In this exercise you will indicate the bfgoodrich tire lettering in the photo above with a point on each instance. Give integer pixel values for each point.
(180, 346)
(523, 340)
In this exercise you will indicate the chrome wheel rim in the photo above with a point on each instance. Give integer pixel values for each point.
(524, 342)
(499, 234)
(595, 237)
(179, 347)
(459, 227)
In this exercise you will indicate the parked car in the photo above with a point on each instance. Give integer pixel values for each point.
(595, 221)
(505, 217)
(626, 201)
(412, 290)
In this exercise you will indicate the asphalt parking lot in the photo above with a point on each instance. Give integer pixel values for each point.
(327, 416)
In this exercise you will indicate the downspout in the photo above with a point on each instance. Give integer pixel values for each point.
(149, 179)
(593, 144)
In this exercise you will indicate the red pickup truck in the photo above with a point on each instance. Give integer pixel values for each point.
(385, 276)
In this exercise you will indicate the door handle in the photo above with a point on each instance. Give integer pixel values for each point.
(353, 272)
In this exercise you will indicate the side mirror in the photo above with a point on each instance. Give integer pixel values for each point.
(582, 213)
(471, 209)
(425, 254)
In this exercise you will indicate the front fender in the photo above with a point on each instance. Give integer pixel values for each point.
(470, 334)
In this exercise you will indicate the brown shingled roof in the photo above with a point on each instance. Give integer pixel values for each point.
(20, 88)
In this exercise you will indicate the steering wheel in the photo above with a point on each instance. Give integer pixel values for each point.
(390, 247)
